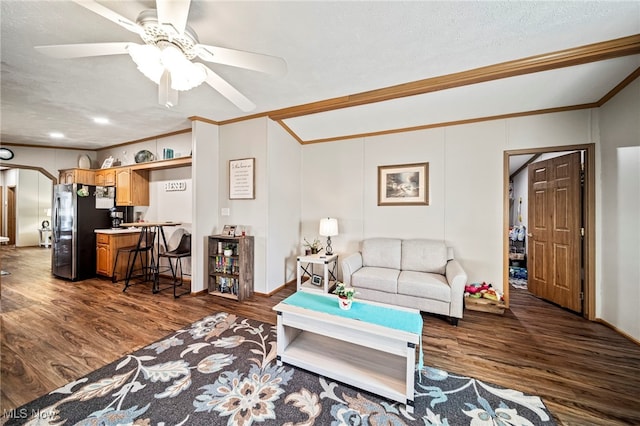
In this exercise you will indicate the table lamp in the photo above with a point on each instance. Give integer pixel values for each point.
(328, 228)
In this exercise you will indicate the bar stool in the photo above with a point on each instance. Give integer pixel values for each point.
(183, 250)
(144, 246)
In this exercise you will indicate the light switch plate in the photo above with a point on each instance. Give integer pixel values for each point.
(225, 211)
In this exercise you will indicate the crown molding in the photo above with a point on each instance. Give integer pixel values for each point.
(624, 46)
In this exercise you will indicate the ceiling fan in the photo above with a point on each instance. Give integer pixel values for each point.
(170, 46)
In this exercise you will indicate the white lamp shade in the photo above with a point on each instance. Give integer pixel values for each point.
(152, 61)
(328, 227)
(147, 58)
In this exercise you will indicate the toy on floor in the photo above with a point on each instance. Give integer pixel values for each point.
(482, 290)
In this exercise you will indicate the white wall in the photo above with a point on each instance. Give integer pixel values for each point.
(174, 206)
(283, 217)
(181, 145)
(466, 185)
(205, 203)
(247, 139)
(50, 159)
(27, 206)
(619, 294)
(474, 198)
(33, 197)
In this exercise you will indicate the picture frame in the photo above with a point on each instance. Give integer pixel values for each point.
(403, 185)
(316, 280)
(229, 230)
(242, 179)
(108, 162)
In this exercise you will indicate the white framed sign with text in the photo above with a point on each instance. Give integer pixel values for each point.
(242, 179)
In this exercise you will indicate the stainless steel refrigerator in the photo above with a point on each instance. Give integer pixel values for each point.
(75, 218)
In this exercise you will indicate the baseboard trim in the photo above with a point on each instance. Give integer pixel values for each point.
(617, 330)
(271, 293)
(206, 291)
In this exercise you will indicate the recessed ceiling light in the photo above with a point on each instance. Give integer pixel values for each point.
(56, 135)
(100, 120)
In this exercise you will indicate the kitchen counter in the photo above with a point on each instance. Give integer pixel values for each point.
(108, 244)
(117, 231)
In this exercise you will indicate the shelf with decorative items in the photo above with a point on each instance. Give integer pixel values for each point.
(230, 266)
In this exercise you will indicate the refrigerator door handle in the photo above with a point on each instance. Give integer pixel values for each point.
(56, 220)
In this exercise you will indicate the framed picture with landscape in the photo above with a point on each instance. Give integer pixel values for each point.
(403, 185)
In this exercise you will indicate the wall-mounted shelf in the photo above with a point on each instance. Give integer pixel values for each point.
(162, 164)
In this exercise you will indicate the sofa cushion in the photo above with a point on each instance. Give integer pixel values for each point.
(424, 255)
(381, 252)
(425, 285)
(381, 279)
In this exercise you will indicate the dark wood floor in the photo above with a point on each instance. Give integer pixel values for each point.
(55, 331)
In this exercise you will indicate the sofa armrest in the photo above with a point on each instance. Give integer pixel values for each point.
(457, 278)
(350, 265)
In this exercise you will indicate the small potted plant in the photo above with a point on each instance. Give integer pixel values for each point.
(345, 295)
(312, 247)
(228, 250)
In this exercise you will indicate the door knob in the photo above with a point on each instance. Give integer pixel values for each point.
(529, 234)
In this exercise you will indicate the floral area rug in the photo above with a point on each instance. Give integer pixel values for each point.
(222, 370)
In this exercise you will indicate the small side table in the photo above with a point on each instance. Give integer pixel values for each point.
(305, 266)
(45, 237)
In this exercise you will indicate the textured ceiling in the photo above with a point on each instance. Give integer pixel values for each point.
(332, 49)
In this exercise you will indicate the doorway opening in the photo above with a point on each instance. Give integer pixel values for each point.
(528, 156)
(26, 203)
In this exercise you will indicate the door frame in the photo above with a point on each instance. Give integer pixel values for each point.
(588, 212)
(11, 215)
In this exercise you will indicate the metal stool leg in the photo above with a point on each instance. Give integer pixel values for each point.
(175, 284)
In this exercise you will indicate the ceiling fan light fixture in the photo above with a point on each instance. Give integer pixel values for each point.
(185, 75)
(189, 77)
(147, 58)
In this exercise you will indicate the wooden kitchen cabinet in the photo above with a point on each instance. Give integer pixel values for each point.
(82, 176)
(132, 187)
(106, 177)
(107, 246)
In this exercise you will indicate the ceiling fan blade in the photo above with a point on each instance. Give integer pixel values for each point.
(66, 51)
(228, 91)
(174, 13)
(110, 15)
(239, 58)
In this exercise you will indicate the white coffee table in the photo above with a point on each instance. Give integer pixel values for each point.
(367, 355)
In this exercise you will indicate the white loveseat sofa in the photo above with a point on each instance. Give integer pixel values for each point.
(415, 273)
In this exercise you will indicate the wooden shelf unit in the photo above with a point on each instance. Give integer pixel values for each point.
(230, 276)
